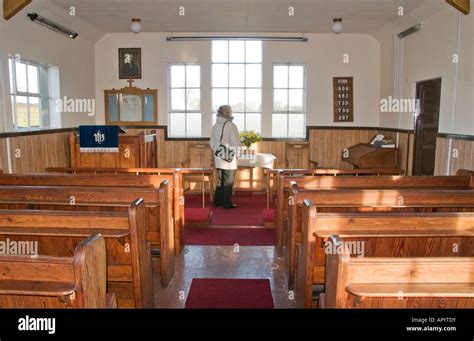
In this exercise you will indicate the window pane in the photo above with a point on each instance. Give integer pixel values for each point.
(220, 51)
(237, 100)
(296, 100)
(44, 113)
(296, 125)
(253, 75)
(253, 52)
(280, 76)
(33, 86)
(22, 111)
(194, 99)
(253, 100)
(177, 125)
(21, 77)
(34, 112)
(237, 51)
(219, 76)
(236, 75)
(177, 76)
(178, 99)
(193, 76)
(219, 97)
(253, 122)
(279, 125)
(239, 120)
(296, 76)
(280, 100)
(193, 124)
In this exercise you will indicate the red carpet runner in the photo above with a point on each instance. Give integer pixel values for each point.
(229, 236)
(230, 293)
(249, 212)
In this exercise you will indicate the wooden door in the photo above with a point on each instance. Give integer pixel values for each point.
(426, 126)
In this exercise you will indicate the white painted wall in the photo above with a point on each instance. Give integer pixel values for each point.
(429, 54)
(74, 58)
(323, 56)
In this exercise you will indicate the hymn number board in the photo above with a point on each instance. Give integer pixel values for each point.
(343, 99)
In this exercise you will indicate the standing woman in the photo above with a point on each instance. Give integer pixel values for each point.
(225, 132)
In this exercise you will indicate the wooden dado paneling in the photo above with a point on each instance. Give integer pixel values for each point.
(39, 151)
(34, 153)
(464, 159)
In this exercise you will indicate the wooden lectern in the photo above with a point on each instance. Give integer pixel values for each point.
(364, 155)
(139, 151)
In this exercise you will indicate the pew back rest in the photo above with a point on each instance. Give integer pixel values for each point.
(82, 277)
(385, 182)
(381, 276)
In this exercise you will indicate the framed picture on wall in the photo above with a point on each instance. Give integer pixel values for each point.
(130, 63)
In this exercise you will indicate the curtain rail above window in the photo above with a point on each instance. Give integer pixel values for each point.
(260, 38)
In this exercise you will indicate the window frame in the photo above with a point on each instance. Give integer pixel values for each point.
(42, 95)
(243, 88)
(289, 112)
(185, 111)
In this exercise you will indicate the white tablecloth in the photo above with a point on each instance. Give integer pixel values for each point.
(264, 160)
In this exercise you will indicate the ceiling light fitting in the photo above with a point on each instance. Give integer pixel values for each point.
(136, 25)
(35, 17)
(337, 26)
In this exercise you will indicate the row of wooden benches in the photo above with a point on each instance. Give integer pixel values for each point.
(387, 214)
(134, 214)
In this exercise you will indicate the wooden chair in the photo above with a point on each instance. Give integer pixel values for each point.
(381, 282)
(199, 169)
(57, 282)
(297, 156)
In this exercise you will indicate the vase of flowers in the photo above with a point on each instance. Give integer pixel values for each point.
(248, 138)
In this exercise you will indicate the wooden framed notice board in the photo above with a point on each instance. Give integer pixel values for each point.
(131, 106)
(343, 90)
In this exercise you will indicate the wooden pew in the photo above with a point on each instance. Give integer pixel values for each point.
(173, 175)
(159, 231)
(384, 234)
(57, 282)
(381, 282)
(466, 172)
(114, 179)
(206, 174)
(129, 269)
(272, 175)
(353, 201)
(366, 182)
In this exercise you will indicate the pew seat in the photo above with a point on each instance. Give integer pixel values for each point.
(388, 282)
(411, 290)
(128, 257)
(46, 281)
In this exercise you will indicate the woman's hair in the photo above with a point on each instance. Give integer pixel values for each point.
(225, 111)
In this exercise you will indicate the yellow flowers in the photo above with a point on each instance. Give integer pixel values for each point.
(249, 137)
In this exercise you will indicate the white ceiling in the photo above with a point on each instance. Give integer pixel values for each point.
(311, 16)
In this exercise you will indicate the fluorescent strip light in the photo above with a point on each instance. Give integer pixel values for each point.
(208, 38)
(35, 17)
